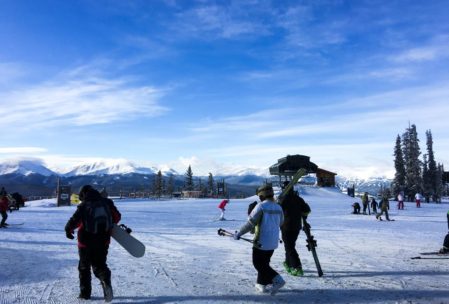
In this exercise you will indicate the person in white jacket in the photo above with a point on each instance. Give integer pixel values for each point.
(267, 218)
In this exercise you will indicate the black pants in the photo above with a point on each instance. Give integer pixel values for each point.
(95, 257)
(261, 261)
(4, 217)
(289, 238)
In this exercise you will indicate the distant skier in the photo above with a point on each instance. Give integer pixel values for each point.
(374, 205)
(295, 210)
(365, 202)
(384, 207)
(267, 217)
(93, 218)
(356, 208)
(4, 205)
(418, 199)
(222, 207)
(400, 201)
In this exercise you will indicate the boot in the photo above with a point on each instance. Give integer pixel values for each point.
(278, 283)
(107, 290)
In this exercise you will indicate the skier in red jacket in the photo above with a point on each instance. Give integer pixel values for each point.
(4, 204)
(222, 206)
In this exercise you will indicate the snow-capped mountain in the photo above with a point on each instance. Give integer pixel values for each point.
(371, 185)
(110, 168)
(25, 167)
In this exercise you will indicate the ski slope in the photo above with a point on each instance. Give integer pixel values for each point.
(364, 260)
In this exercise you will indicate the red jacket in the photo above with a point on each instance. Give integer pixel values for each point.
(4, 204)
(223, 203)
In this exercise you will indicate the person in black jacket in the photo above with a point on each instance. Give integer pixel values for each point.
(93, 218)
(295, 209)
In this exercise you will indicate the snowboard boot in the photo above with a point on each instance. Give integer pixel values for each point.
(297, 272)
(84, 296)
(278, 283)
(261, 288)
(107, 290)
(287, 268)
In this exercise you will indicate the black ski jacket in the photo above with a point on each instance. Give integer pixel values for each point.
(86, 239)
(295, 208)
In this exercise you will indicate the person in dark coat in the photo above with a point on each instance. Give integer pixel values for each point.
(295, 209)
(374, 205)
(356, 208)
(93, 239)
(4, 205)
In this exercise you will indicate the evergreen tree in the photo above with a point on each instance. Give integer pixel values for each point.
(210, 185)
(188, 184)
(427, 186)
(411, 151)
(170, 185)
(432, 165)
(399, 176)
(439, 183)
(158, 187)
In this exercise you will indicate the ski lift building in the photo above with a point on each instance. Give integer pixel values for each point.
(287, 166)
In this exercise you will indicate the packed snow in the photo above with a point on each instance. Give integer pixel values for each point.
(364, 260)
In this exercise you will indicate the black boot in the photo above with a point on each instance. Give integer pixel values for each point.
(107, 290)
(84, 296)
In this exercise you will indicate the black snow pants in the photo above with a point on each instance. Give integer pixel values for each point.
(289, 238)
(95, 257)
(4, 217)
(261, 261)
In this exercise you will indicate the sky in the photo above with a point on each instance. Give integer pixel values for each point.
(222, 85)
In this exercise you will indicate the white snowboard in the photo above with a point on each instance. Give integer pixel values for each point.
(127, 241)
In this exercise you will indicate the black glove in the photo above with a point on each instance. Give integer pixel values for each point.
(69, 235)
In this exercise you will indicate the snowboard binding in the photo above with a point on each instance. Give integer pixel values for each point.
(126, 228)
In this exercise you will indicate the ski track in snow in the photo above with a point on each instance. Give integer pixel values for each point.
(363, 260)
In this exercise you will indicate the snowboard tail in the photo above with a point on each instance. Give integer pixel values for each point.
(311, 245)
(122, 235)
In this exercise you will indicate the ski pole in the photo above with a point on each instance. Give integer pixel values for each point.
(223, 232)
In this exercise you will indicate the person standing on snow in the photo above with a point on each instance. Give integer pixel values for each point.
(365, 202)
(418, 198)
(384, 207)
(374, 205)
(267, 218)
(400, 201)
(295, 210)
(222, 206)
(93, 218)
(4, 205)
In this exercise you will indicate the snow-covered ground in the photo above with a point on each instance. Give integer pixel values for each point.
(364, 260)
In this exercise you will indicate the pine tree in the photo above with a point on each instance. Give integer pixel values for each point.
(210, 185)
(170, 185)
(411, 151)
(432, 165)
(399, 176)
(426, 180)
(158, 185)
(188, 185)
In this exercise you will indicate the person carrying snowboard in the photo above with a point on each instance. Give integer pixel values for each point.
(93, 219)
(4, 205)
(295, 209)
(222, 207)
(267, 218)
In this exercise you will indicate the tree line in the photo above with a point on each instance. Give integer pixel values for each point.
(165, 186)
(412, 174)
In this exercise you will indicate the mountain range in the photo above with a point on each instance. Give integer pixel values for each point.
(32, 177)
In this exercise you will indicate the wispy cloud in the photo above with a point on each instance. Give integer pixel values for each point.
(79, 98)
(22, 150)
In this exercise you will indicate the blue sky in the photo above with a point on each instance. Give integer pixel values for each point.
(222, 85)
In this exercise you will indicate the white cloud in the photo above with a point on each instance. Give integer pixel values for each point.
(22, 150)
(78, 98)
